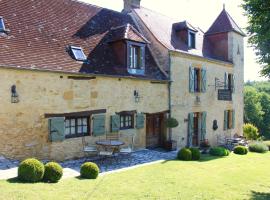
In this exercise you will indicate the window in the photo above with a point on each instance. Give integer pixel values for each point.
(126, 121)
(230, 82)
(76, 127)
(191, 40)
(197, 80)
(78, 53)
(229, 118)
(136, 58)
(2, 25)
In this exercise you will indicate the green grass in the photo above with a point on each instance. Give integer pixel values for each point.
(233, 177)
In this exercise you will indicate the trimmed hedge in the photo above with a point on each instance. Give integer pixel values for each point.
(258, 147)
(219, 151)
(184, 154)
(53, 172)
(89, 170)
(31, 170)
(195, 153)
(241, 150)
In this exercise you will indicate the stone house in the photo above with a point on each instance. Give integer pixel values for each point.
(206, 71)
(72, 73)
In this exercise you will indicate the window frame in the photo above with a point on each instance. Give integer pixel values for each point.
(125, 124)
(197, 80)
(229, 119)
(74, 55)
(3, 24)
(76, 126)
(191, 40)
(132, 69)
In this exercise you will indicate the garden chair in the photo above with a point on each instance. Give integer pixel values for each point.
(89, 149)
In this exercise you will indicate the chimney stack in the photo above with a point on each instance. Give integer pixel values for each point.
(130, 4)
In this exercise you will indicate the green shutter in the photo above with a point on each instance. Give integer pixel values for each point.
(115, 123)
(99, 125)
(203, 126)
(225, 120)
(233, 84)
(203, 80)
(233, 118)
(190, 128)
(57, 129)
(191, 79)
(139, 121)
(225, 81)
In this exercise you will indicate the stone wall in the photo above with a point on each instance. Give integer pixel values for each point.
(24, 128)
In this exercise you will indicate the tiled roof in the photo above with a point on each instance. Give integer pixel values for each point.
(42, 30)
(224, 23)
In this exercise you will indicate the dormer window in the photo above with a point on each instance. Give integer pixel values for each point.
(2, 25)
(191, 39)
(78, 53)
(136, 58)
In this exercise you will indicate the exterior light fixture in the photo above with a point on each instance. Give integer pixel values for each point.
(137, 97)
(14, 94)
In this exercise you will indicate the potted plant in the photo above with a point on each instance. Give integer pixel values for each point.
(204, 146)
(170, 144)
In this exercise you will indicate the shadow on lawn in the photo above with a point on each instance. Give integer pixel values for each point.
(204, 158)
(259, 196)
(16, 180)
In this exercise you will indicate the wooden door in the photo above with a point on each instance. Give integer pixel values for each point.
(154, 124)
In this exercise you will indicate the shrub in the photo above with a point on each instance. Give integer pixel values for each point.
(258, 147)
(241, 150)
(53, 172)
(195, 153)
(89, 170)
(171, 123)
(250, 132)
(31, 170)
(267, 143)
(219, 151)
(184, 154)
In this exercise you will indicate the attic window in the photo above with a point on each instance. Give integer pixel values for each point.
(136, 58)
(2, 25)
(191, 40)
(78, 53)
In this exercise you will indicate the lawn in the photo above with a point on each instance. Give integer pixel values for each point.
(233, 177)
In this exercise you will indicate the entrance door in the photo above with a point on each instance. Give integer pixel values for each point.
(154, 125)
(195, 138)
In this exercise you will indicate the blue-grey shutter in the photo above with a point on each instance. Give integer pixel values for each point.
(225, 120)
(233, 118)
(98, 125)
(203, 126)
(233, 84)
(143, 57)
(57, 129)
(225, 81)
(115, 123)
(140, 121)
(190, 128)
(203, 80)
(129, 55)
(191, 79)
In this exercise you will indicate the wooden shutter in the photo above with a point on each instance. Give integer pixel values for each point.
(115, 123)
(191, 79)
(98, 125)
(203, 80)
(203, 125)
(225, 120)
(139, 121)
(233, 118)
(57, 129)
(233, 84)
(225, 81)
(190, 128)
(142, 58)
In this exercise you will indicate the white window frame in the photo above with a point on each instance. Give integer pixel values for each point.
(131, 56)
(78, 48)
(189, 39)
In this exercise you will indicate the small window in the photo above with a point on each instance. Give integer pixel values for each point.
(136, 58)
(197, 80)
(126, 121)
(230, 82)
(78, 53)
(76, 127)
(229, 119)
(191, 40)
(2, 25)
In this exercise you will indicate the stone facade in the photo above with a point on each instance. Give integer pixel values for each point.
(24, 128)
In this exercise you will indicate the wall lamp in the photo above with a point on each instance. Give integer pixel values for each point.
(14, 94)
(137, 96)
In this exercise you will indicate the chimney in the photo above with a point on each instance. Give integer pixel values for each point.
(130, 4)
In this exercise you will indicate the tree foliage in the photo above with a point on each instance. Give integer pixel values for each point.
(258, 12)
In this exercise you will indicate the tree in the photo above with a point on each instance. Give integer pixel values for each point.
(258, 12)
(265, 104)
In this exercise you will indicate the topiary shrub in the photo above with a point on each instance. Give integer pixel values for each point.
(250, 132)
(258, 147)
(31, 170)
(195, 153)
(267, 143)
(89, 170)
(219, 151)
(241, 150)
(53, 172)
(184, 154)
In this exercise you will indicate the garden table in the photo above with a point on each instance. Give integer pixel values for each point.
(110, 144)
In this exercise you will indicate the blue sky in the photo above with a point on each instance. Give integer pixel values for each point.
(201, 13)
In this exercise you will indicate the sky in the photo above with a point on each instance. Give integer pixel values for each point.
(201, 13)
